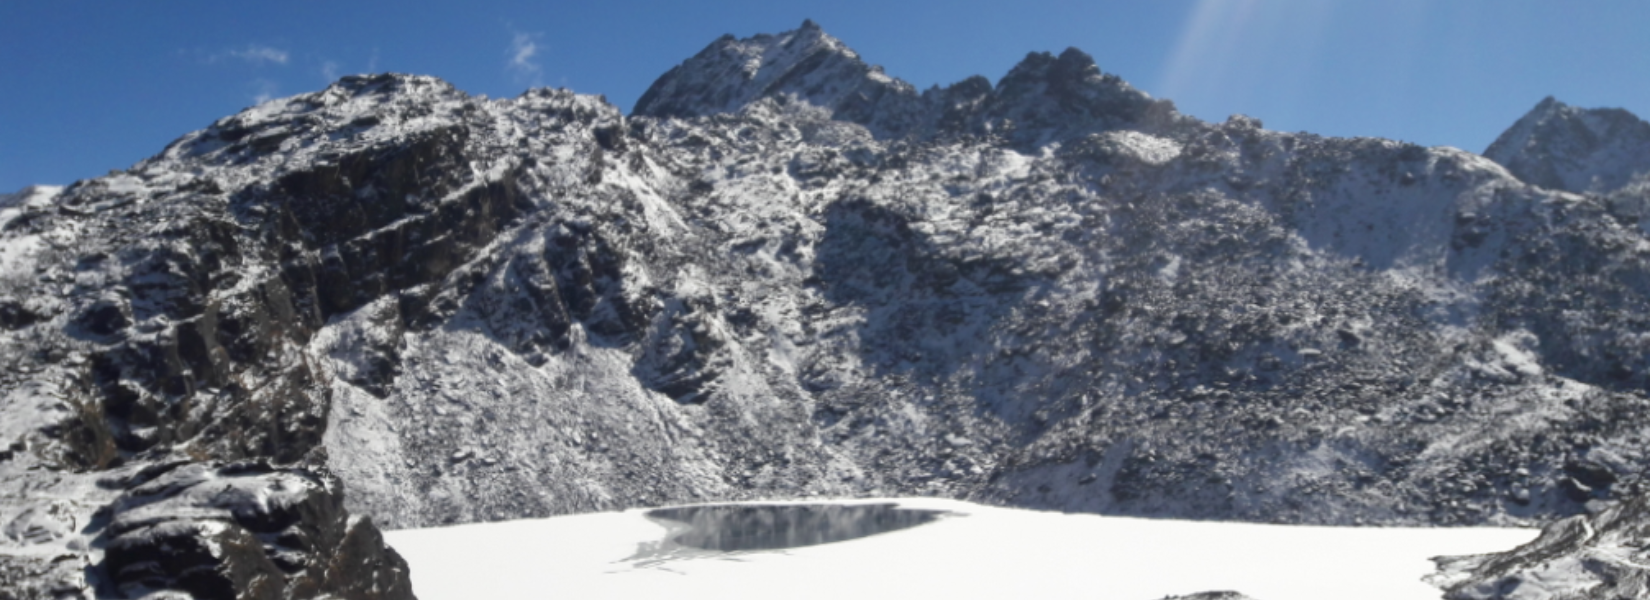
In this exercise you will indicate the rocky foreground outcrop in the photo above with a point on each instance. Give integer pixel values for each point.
(787, 274)
(244, 530)
(1603, 556)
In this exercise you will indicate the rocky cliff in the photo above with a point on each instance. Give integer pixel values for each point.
(787, 274)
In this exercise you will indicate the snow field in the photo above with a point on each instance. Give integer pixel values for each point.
(980, 552)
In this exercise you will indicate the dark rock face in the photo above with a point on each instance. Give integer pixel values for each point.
(190, 346)
(196, 342)
(245, 530)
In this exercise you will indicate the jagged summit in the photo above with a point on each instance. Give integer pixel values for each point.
(1045, 92)
(1563, 147)
(1042, 98)
(805, 63)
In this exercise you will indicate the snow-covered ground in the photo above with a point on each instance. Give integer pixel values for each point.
(977, 552)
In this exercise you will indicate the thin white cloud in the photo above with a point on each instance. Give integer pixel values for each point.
(523, 49)
(263, 90)
(256, 54)
(329, 70)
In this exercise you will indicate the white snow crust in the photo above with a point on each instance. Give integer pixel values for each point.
(976, 552)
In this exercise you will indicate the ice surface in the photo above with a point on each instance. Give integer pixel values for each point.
(983, 552)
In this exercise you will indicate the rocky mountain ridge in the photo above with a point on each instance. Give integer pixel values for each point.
(1043, 99)
(787, 274)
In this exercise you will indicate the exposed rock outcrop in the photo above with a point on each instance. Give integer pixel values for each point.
(245, 530)
(1599, 556)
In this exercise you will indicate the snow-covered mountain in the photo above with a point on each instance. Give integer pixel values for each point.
(1562, 147)
(789, 275)
(1043, 99)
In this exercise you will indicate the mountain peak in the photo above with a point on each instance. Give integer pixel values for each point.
(1563, 147)
(805, 63)
(1549, 104)
(1071, 67)
(1041, 96)
(1051, 92)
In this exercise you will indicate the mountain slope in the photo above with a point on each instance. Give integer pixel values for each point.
(1050, 292)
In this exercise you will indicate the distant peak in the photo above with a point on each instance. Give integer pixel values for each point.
(1070, 92)
(730, 74)
(1072, 70)
(1071, 65)
(1546, 107)
(1078, 58)
(1559, 146)
(1076, 63)
(1041, 97)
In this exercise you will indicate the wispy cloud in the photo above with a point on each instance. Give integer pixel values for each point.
(257, 54)
(523, 50)
(263, 90)
(329, 70)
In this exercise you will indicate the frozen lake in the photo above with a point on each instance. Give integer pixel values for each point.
(934, 549)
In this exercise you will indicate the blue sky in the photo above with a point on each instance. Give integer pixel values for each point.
(93, 86)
